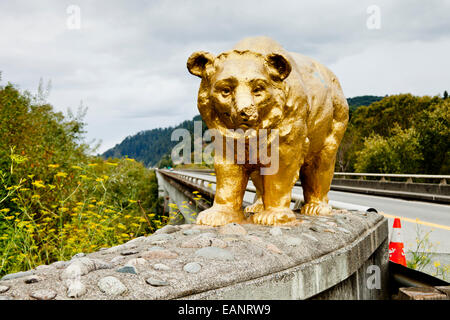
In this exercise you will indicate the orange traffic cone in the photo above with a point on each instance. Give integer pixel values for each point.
(396, 247)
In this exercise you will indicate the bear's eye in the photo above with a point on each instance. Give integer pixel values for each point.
(258, 90)
(225, 91)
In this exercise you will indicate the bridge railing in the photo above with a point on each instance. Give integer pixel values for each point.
(405, 186)
(407, 178)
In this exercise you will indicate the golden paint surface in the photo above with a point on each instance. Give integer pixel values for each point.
(259, 85)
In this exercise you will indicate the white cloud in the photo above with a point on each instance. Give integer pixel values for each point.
(128, 61)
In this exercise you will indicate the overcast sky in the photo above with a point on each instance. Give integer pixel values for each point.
(127, 61)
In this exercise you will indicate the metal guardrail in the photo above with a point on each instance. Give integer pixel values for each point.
(203, 185)
(409, 177)
(435, 189)
(442, 178)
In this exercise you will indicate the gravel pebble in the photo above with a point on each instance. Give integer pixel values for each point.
(167, 229)
(159, 254)
(117, 260)
(129, 252)
(161, 267)
(189, 232)
(3, 289)
(43, 294)
(156, 282)
(32, 279)
(16, 275)
(137, 262)
(276, 231)
(192, 267)
(75, 289)
(127, 269)
(112, 286)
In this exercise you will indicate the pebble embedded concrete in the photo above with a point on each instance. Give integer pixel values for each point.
(183, 260)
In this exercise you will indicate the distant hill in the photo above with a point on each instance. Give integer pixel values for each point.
(150, 146)
(358, 101)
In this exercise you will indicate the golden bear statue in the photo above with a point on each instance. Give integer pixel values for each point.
(259, 85)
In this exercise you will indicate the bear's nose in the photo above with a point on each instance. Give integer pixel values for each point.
(244, 115)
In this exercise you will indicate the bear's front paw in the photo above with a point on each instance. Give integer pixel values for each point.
(274, 217)
(258, 206)
(219, 216)
(314, 208)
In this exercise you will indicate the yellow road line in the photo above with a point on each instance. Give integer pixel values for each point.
(429, 224)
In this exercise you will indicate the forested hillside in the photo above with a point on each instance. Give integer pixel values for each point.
(398, 134)
(151, 146)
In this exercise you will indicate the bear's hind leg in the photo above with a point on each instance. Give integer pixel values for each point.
(316, 176)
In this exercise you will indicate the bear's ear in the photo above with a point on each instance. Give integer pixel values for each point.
(198, 61)
(279, 67)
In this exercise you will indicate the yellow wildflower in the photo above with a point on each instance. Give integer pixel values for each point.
(111, 163)
(437, 264)
(99, 180)
(121, 226)
(53, 166)
(195, 192)
(132, 201)
(61, 174)
(77, 167)
(5, 210)
(35, 196)
(92, 164)
(38, 184)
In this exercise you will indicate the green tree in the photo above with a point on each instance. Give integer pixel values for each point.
(399, 153)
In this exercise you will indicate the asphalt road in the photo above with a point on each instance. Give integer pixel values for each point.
(417, 218)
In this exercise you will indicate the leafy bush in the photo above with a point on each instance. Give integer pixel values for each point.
(55, 199)
(400, 133)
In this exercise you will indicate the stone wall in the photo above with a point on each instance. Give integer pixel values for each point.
(318, 257)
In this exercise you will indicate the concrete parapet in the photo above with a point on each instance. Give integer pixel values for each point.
(343, 256)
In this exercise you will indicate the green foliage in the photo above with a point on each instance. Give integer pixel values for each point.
(400, 133)
(57, 200)
(397, 153)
